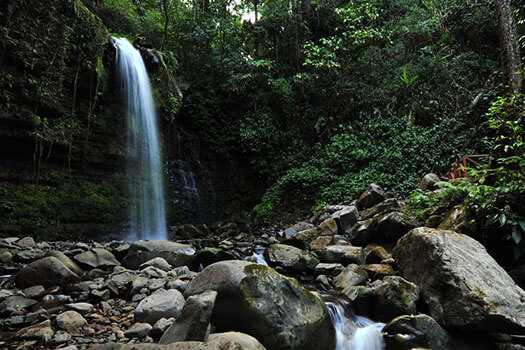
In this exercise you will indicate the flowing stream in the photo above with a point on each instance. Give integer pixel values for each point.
(353, 332)
(147, 208)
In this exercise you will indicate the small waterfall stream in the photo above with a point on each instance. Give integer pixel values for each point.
(147, 208)
(353, 332)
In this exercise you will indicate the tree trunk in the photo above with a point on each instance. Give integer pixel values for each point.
(510, 47)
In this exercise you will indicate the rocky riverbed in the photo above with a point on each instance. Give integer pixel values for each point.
(230, 287)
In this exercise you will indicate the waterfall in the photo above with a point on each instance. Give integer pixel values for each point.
(354, 332)
(147, 211)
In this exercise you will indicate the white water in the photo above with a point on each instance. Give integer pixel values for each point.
(147, 211)
(354, 333)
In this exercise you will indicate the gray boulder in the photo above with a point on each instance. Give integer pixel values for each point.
(15, 303)
(97, 257)
(428, 181)
(344, 254)
(70, 264)
(300, 226)
(194, 321)
(48, 271)
(164, 303)
(462, 284)
(346, 218)
(416, 331)
(290, 257)
(371, 196)
(175, 254)
(273, 308)
(393, 297)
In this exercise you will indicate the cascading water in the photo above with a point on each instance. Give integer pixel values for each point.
(147, 211)
(355, 332)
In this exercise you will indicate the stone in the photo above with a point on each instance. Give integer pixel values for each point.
(388, 205)
(320, 242)
(64, 259)
(303, 238)
(26, 242)
(257, 300)
(118, 282)
(330, 269)
(137, 284)
(159, 263)
(328, 227)
(462, 284)
(81, 308)
(344, 254)
(61, 338)
(346, 218)
(38, 331)
(161, 326)
(6, 257)
(393, 297)
(48, 271)
(97, 257)
(153, 272)
(101, 295)
(456, 219)
(378, 271)
(164, 303)
(15, 303)
(210, 255)
(175, 254)
(70, 321)
(428, 181)
(290, 232)
(374, 254)
(290, 257)
(138, 330)
(352, 275)
(34, 292)
(371, 196)
(423, 329)
(194, 320)
(393, 225)
(364, 232)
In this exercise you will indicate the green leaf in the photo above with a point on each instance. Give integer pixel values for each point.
(492, 219)
(502, 219)
(522, 225)
(516, 235)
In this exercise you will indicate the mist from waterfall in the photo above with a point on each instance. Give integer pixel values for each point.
(147, 208)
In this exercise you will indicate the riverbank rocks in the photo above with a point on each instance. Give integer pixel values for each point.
(164, 303)
(70, 264)
(345, 254)
(48, 271)
(70, 321)
(217, 341)
(176, 254)
(290, 257)
(273, 308)
(461, 283)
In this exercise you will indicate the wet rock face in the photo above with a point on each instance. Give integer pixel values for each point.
(257, 300)
(462, 284)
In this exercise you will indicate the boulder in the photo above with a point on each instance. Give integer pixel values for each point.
(393, 225)
(290, 232)
(175, 254)
(462, 284)
(374, 254)
(364, 232)
(159, 263)
(119, 281)
(371, 196)
(417, 331)
(428, 181)
(346, 218)
(378, 271)
(37, 332)
(97, 257)
(138, 330)
(344, 254)
(164, 303)
(393, 297)
(456, 219)
(388, 205)
(70, 264)
(194, 320)
(15, 303)
(70, 321)
(26, 242)
(290, 257)
(350, 281)
(48, 271)
(257, 300)
(303, 238)
(209, 255)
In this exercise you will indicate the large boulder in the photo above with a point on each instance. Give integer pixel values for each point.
(217, 341)
(48, 271)
(257, 300)
(70, 264)
(175, 254)
(416, 331)
(290, 232)
(194, 320)
(346, 218)
(393, 297)
(164, 303)
(462, 284)
(97, 257)
(344, 254)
